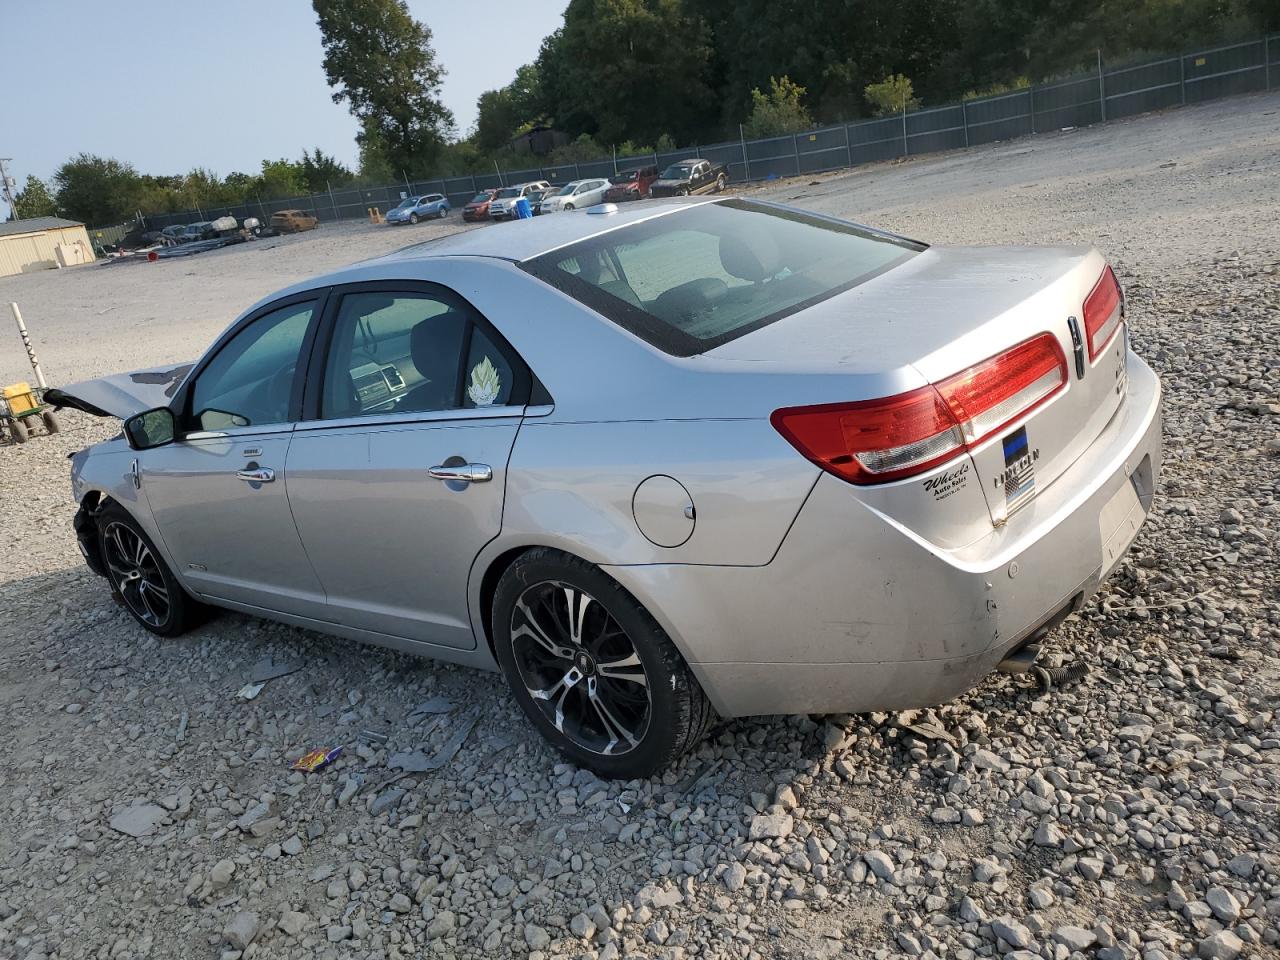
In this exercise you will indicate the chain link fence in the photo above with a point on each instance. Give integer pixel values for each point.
(1108, 93)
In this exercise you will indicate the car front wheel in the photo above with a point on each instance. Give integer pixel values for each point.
(413, 218)
(592, 669)
(140, 580)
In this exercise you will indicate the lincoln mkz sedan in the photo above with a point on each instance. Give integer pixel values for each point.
(655, 464)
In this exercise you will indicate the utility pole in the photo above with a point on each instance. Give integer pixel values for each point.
(7, 185)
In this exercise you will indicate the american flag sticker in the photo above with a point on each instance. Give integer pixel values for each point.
(1019, 470)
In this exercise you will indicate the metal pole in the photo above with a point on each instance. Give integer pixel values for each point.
(746, 163)
(1182, 77)
(905, 151)
(474, 189)
(577, 173)
(406, 181)
(1266, 59)
(26, 342)
(615, 159)
(328, 186)
(496, 169)
(964, 118)
(795, 148)
(848, 150)
(1102, 89)
(1031, 92)
(8, 192)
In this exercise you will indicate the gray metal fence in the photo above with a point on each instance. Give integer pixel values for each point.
(1108, 93)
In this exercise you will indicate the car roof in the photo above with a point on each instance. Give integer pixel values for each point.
(525, 239)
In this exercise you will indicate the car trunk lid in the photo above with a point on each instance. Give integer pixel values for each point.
(943, 315)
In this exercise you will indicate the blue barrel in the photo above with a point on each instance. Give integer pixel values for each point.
(523, 209)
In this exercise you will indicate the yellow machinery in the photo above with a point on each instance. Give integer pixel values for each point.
(21, 409)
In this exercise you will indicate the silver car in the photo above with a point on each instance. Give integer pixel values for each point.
(575, 195)
(656, 464)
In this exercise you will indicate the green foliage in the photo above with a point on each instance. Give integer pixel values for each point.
(893, 94)
(777, 112)
(579, 151)
(33, 200)
(379, 59)
(321, 171)
(628, 69)
(97, 190)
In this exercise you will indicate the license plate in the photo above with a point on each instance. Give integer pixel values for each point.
(1119, 522)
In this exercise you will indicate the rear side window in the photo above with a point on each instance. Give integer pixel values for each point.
(692, 280)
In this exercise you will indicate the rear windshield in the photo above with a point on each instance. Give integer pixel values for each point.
(697, 278)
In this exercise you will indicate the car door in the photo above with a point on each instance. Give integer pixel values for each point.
(218, 494)
(397, 480)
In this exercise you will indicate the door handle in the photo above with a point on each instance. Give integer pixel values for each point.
(466, 472)
(260, 475)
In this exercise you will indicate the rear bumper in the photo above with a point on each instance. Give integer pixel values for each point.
(856, 613)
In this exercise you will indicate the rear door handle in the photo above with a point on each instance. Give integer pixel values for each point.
(261, 475)
(466, 472)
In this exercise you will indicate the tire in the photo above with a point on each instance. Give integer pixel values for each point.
(19, 430)
(684, 192)
(413, 218)
(442, 213)
(141, 581)
(624, 739)
(51, 422)
(720, 184)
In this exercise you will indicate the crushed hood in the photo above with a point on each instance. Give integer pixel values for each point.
(122, 394)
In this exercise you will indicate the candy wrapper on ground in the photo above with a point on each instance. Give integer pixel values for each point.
(316, 759)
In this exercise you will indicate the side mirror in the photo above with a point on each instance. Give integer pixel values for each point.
(151, 428)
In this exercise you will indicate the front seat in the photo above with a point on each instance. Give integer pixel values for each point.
(751, 255)
(435, 347)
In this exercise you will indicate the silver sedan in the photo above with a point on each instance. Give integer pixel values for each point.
(657, 464)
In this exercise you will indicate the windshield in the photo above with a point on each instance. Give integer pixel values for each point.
(507, 193)
(692, 280)
(567, 190)
(677, 171)
(408, 202)
(626, 176)
(480, 198)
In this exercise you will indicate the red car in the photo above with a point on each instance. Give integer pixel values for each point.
(631, 184)
(478, 208)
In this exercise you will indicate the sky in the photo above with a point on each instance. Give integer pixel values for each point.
(169, 85)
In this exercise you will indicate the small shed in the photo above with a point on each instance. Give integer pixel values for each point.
(42, 243)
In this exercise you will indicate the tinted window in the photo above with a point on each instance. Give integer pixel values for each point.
(692, 280)
(249, 382)
(410, 353)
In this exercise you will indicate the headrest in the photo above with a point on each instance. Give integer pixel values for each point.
(434, 342)
(753, 255)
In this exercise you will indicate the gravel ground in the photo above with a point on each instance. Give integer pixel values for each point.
(149, 812)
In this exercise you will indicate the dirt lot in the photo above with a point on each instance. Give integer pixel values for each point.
(1133, 814)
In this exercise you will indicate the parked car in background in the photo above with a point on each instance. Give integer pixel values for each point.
(204, 230)
(631, 184)
(478, 207)
(293, 221)
(576, 195)
(433, 206)
(678, 459)
(503, 205)
(536, 198)
(687, 177)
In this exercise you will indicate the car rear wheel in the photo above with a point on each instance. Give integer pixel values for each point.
(592, 669)
(140, 580)
(720, 184)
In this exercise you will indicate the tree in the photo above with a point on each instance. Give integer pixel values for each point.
(891, 95)
(381, 62)
(628, 69)
(321, 171)
(779, 111)
(33, 200)
(97, 190)
(281, 178)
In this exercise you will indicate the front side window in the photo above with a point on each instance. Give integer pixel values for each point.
(249, 382)
(410, 353)
(694, 279)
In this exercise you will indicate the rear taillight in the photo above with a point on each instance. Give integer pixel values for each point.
(1103, 312)
(874, 441)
